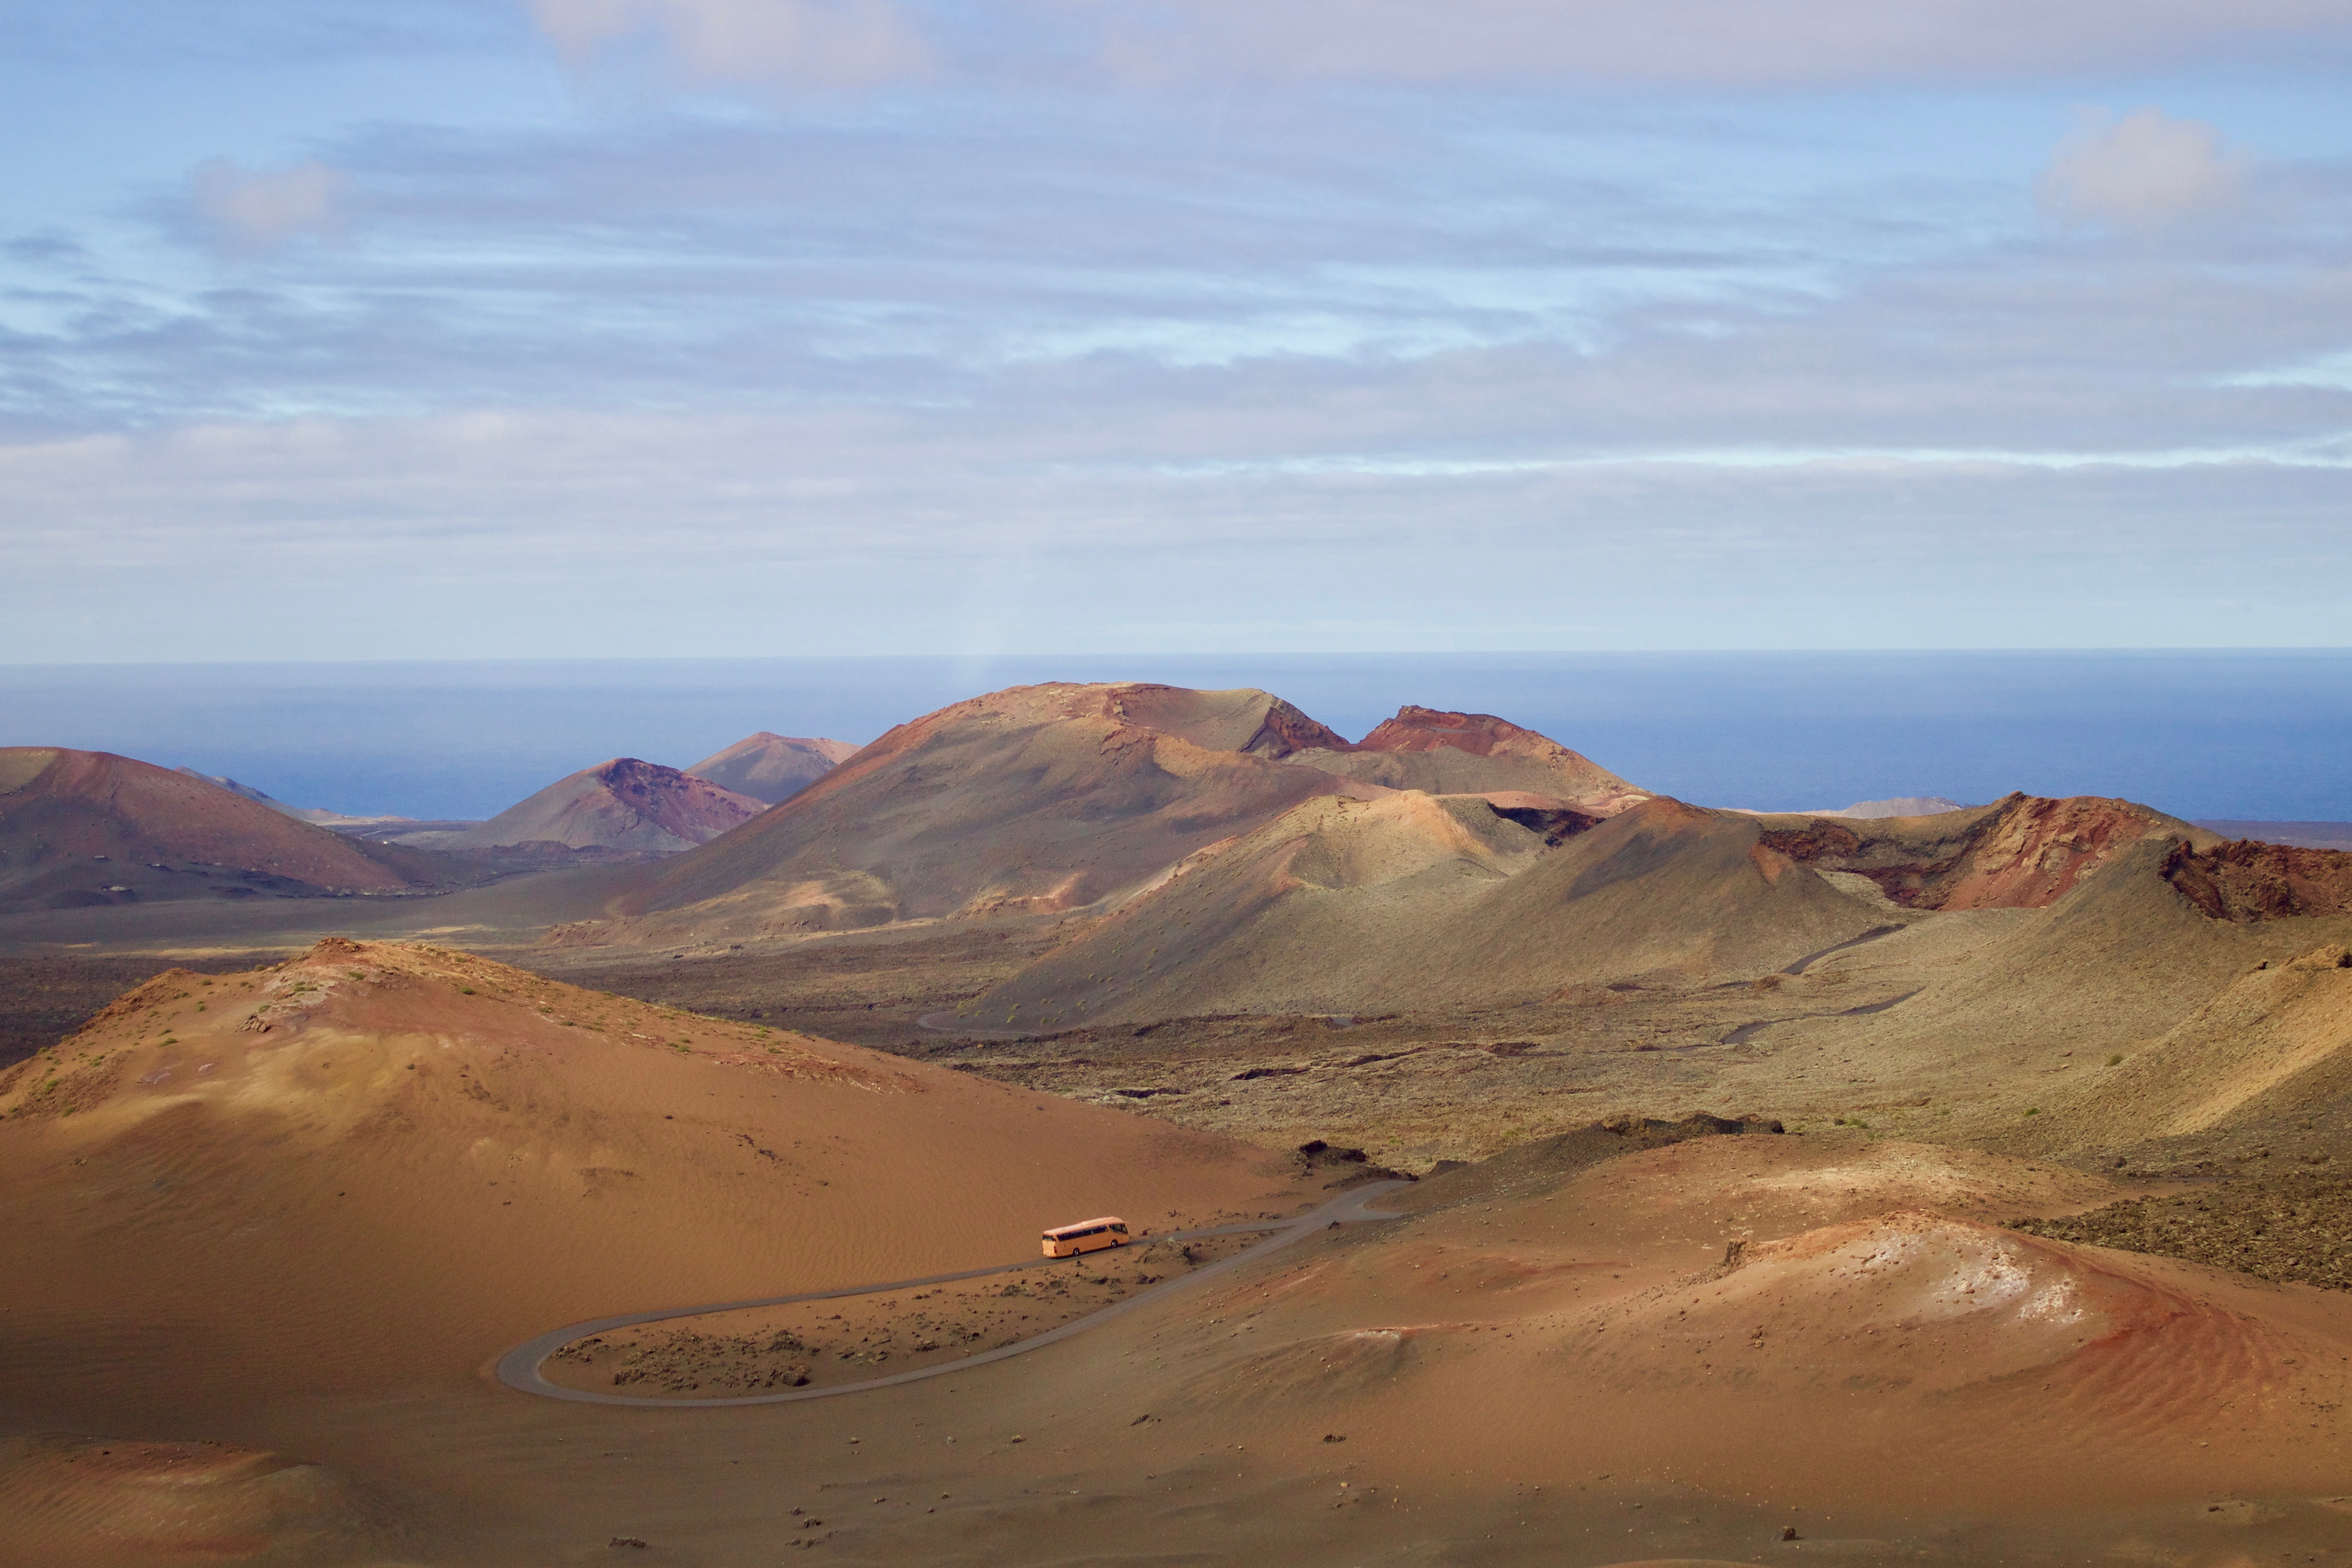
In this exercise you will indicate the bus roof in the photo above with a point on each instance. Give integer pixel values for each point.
(1085, 1225)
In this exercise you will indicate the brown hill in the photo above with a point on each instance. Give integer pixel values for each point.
(624, 805)
(1474, 754)
(2076, 1026)
(381, 1165)
(79, 829)
(1454, 901)
(1041, 798)
(1306, 914)
(2021, 852)
(1419, 901)
(772, 767)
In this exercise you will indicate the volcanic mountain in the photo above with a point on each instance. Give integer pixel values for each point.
(80, 829)
(773, 767)
(1037, 799)
(1052, 798)
(624, 806)
(1474, 753)
(207, 1189)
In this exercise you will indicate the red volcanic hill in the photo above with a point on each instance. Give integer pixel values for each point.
(89, 828)
(624, 805)
(2021, 852)
(772, 767)
(1475, 753)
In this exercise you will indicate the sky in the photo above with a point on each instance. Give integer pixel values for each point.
(522, 329)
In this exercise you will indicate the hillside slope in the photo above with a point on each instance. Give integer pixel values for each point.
(772, 767)
(1040, 798)
(207, 1191)
(1306, 914)
(1452, 901)
(2118, 1014)
(86, 828)
(1419, 901)
(1474, 753)
(624, 805)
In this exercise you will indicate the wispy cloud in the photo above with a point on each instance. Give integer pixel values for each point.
(2144, 171)
(1584, 320)
(253, 210)
(1778, 43)
(800, 43)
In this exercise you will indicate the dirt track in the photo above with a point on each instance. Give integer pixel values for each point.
(519, 1367)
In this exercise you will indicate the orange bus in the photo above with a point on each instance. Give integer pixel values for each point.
(1087, 1236)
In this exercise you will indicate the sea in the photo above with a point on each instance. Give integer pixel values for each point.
(2237, 734)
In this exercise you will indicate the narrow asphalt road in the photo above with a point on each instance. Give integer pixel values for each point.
(519, 1368)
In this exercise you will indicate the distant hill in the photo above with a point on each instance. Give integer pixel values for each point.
(320, 815)
(1414, 901)
(772, 767)
(1474, 754)
(1037, 799)
(1051, 798)
(1418, 901)
(1902, 805)
(625, 804)
(2304, 835)
(81, 828)
(1873, 810)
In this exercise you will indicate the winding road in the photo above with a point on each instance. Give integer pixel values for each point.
(519, 1368)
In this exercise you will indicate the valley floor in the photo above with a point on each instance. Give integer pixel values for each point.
(1573, 1346)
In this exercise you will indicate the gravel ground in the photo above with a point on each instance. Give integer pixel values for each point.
(2290, 1228)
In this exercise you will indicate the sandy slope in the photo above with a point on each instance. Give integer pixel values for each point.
(2275, 1043)
(379, 1165)
(1549, 1361)
(1677, 1353)
(2028, 1008)
(1876, 1343)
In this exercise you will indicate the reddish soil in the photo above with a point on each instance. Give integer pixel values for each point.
(1426, 728)
(2247, 880)
(2023, 852)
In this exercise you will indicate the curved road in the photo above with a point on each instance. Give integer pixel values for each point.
(519, 1368)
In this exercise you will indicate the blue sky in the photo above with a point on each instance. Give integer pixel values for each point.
(550, 328)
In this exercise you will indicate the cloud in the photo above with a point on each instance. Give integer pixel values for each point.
(260, 209)
(801, 43)
(1708, 43)
(2146, 170)
(624, 536)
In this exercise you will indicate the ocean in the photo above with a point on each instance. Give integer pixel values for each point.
(2234, 734)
